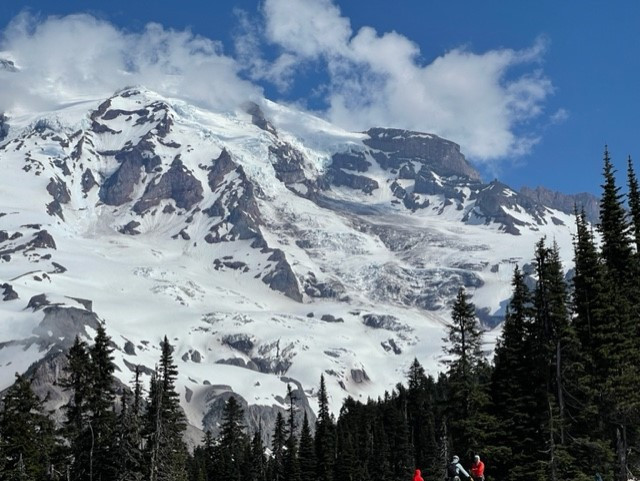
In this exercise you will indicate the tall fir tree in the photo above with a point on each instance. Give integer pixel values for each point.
(165, 424)
(325, 439)
(27, 433)
(101, 399)
(617, 349)
(307, 453)
(291, 463)
(634, 203)
(513, 398)
(78, 381)
(232, 442)
(278, 446)
(128, 439)
(468, 401)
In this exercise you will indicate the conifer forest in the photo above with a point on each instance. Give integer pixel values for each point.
(558, 399)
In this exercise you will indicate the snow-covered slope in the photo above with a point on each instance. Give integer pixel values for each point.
(267, 244)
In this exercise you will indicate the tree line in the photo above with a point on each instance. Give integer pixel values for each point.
(560, 398)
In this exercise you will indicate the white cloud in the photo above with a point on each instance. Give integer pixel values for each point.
(78, 56)
(380, 80)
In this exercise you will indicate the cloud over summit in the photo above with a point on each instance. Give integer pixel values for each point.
(368, 78)
(62, 59)
(380, 79)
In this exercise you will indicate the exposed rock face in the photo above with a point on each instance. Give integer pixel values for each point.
(240, 342)
(339, 177)
(60, 325)
(42, 240)
(117, 189)
(565, 202)
(8, 294)
(495, 197)
(130, 348)
(400, 147)
(383, 321)
(282, 278)
(8, 65)
(178, 183)
(88, 181)
(258, 119)
(287, 163)
(4, 127)
(58, 190)
(359, 376)
(256, 417)
(130, 228)
(236, 203)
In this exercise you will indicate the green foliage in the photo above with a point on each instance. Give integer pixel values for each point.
(27, 434)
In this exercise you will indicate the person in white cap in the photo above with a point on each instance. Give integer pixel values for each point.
(477, 469)
(455, 469)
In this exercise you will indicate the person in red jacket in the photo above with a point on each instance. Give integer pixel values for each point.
(477, 469)
(417, 476)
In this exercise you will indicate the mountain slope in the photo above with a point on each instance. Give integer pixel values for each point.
(268, 245)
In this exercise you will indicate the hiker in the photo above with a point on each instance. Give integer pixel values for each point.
(477, 469)
(455, 469)
(417, 476)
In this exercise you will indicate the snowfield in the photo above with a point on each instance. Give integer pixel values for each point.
(363, 284)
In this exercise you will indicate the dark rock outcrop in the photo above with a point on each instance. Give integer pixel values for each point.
(130, 228)
(58, 190)
(240, 342)
(287, 163)
(42, 240)
(281, 277)
(565, 202)
(8, 294)
(62, 324)
(492, 200)
(400, 146)
(236, 203)
(178, 183)
(88, 181)
(129, 348)
(4, 127)
(258, 119)
(384, 321)
(339, 178)
(118, 187)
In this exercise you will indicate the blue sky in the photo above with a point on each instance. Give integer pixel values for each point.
(554, 81)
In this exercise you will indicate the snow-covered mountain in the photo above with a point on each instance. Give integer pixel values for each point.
(269, 245)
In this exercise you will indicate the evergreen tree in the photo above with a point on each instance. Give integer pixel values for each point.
(588, 433)
(258, 470)
(617, 349)
(128, 435)
(554, 344)
(421, 419)
(634, 202)
(78, 381)
(291, 465)
(165, 423)
(233, 441)
(325, 440)
(513, 397)
(468, 401)
(102, 462)
(307, 453)
(278, 442)
(28, 434)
